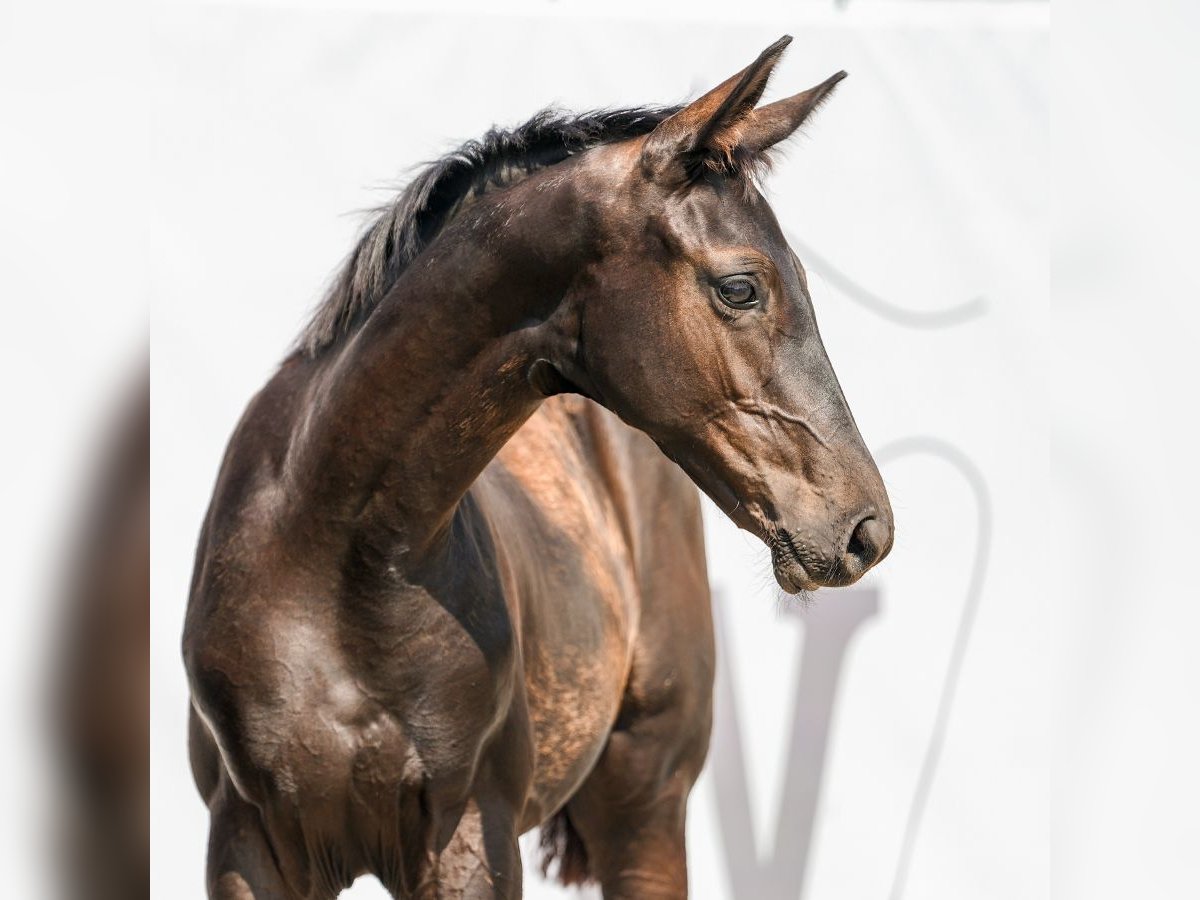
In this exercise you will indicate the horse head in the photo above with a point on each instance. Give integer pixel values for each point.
(697, 327)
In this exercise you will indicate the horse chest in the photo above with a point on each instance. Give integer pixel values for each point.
(316, 704)
(445, 676)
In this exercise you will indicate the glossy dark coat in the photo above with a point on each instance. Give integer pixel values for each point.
(451, 587)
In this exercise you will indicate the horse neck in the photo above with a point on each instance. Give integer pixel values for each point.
(408, 413)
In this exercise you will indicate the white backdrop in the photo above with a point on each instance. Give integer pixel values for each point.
(917, 201)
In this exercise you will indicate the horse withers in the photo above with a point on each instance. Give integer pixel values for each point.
(451, 585)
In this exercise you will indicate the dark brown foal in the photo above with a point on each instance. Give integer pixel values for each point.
(452, 585)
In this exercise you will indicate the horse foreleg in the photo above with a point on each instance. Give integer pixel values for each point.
(241, 864)
(481, 861)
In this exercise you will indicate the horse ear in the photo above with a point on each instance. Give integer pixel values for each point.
(709, 126)
(770, 124)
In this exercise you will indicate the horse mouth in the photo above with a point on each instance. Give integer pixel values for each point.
(790, 573)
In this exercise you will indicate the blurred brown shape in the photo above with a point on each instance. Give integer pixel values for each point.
(102, 680)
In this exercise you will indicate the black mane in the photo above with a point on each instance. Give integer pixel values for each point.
(407, 225)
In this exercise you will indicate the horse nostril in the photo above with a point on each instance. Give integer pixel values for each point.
(868, 542)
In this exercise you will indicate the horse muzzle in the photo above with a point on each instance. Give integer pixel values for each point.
(805, 564)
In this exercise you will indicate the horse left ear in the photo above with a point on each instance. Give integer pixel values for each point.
(768, 125)
(710, 126)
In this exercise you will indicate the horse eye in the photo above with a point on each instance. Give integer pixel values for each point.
(737, 292)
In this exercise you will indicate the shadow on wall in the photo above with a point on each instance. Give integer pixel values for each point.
(958, 314)
(779, 873)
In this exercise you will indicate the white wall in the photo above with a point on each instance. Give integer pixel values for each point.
(918, 201)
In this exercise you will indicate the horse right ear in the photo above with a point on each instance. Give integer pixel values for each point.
(768, 125)
(709, 128)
